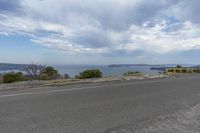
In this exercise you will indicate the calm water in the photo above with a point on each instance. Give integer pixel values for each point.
(107, 71)
(73, 70)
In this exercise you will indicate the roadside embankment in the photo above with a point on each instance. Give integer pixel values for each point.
(63, 82)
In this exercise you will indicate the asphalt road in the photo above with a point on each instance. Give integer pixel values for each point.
(142, 106)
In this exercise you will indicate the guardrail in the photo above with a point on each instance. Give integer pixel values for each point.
(182, 70)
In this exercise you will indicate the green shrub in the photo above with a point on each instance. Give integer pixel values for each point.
(94, 73)
(132, 73)
(1, 78)
(49, 73)
(12, 77)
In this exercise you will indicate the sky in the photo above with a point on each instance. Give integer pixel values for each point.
(100, 31)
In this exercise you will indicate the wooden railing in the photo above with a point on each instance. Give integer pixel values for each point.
(182, 70)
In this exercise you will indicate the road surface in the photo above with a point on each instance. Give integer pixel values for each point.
(142, 106)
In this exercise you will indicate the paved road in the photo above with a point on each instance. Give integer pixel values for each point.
(143, 106)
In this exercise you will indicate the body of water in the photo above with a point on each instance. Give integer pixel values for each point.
(107, 71)
(73, 70)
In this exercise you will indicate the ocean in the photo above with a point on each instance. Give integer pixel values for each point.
(74, 70)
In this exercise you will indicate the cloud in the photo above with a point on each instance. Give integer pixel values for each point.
(188, 10)
(9, 6)
(105, 27)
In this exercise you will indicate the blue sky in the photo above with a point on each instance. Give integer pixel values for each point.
(100, 31)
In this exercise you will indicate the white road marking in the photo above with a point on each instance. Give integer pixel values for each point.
(81, 88)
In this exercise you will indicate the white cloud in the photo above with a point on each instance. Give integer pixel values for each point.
(106, 26)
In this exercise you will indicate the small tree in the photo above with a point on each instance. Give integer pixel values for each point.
(34, 71)
(50, 72)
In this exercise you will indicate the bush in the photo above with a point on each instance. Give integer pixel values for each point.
(12, 77)
(132, 73)
(51, 72)
(1, 78)
(94, 73)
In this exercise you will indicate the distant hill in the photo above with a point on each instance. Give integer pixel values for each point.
(196, 66)
(130, 65)
(126, 65)
(10, 67)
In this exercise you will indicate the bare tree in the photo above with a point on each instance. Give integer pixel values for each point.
(34, 70)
